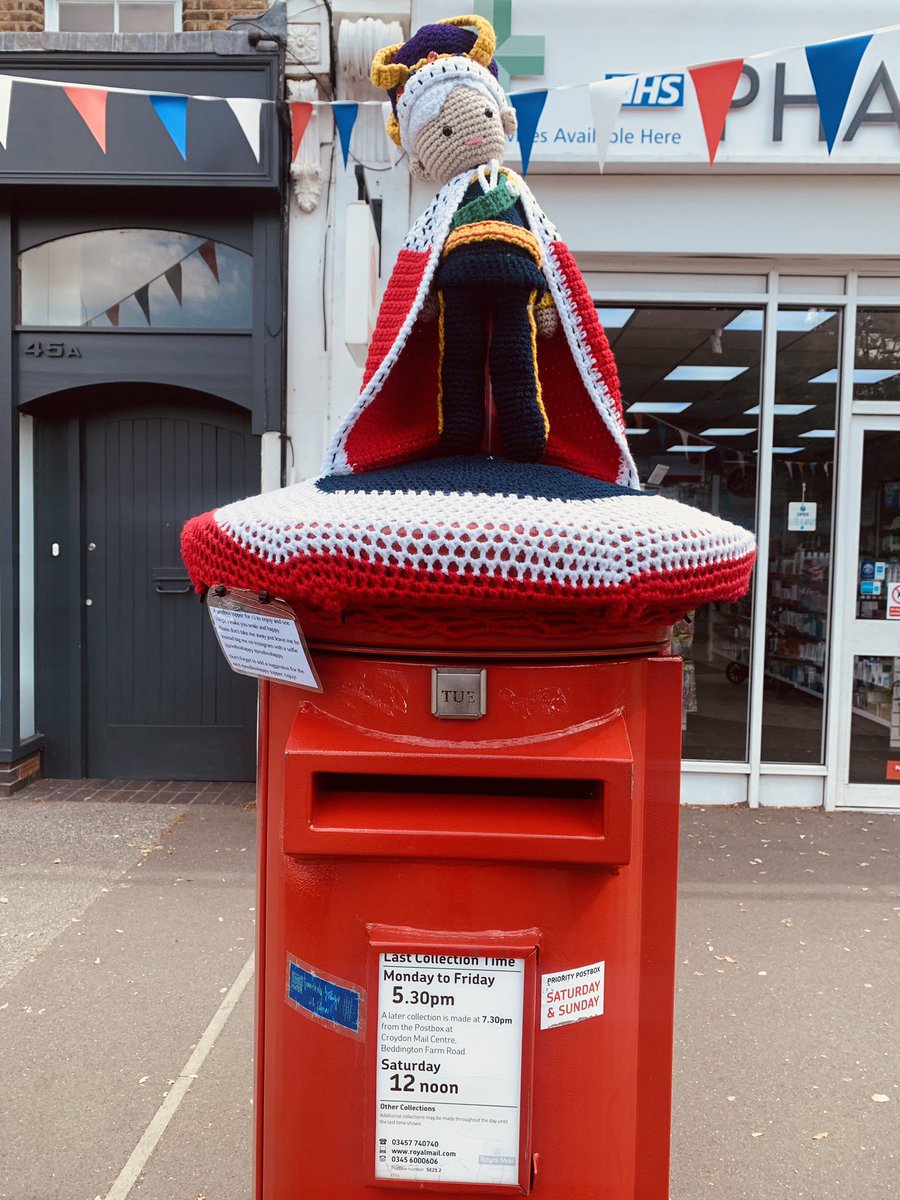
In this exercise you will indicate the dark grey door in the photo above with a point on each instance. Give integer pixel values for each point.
(160, 701)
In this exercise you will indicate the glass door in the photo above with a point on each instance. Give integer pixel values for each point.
(869, 687)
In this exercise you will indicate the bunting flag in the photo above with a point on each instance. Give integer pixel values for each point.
(345, 118)
(91, 106)
(715, 87)
(301, 112)
(172, 111)
(833, 66)
(5, 94)
(113, 313)
(247, 113)
(528, 106)
(142, 295)
(208, 253)
(606, 98)
(173, 279)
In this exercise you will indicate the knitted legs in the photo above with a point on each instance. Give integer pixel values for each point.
(465, 314)
(463, 338)
(514, 376)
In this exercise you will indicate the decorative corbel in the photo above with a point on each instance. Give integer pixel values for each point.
(306, 169)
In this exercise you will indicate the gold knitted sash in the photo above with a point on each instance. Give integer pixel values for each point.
(493, 231)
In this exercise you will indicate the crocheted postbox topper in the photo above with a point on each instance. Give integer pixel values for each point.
(439, 487)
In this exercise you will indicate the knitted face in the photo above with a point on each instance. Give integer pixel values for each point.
(469, 130)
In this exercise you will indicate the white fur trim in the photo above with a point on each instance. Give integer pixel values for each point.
(582, 544)
(418, 92)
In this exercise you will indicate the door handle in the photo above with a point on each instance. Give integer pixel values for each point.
(174, 591)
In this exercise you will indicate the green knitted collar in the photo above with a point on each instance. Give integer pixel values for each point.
(485, 207)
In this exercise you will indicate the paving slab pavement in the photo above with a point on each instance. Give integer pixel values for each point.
(787, 1004)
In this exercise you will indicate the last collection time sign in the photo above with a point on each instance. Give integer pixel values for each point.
(449, 1068)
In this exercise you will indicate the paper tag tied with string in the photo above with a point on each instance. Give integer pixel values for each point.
(261, 637)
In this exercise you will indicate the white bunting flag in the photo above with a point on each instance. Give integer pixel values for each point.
(606, 96)
(5, 93)
(247, 112)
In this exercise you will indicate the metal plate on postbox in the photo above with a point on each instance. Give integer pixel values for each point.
(458, 695)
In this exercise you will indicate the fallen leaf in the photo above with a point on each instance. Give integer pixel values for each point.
(759, 1134)
(143, 1079)
(4, 899)
(817, 1137)
(724, 958)
(788, 921)
(250, 806)
(57, 860)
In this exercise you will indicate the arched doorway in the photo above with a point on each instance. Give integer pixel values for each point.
(130, 681)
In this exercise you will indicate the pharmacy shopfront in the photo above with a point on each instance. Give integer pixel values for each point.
(754, 310)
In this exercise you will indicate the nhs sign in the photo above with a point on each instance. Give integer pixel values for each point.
(653, 91)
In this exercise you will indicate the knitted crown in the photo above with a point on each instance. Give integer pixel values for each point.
(455, 50)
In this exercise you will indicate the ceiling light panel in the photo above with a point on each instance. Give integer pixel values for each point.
(724, 431)
(700, 374)
(654, 406)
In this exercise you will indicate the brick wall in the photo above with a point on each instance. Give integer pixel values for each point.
(21, 16)
(27, 16)
(199, 15)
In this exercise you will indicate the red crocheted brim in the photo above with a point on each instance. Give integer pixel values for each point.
(332, 582)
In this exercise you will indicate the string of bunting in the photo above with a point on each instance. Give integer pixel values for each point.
(173, 277)
(833, 66)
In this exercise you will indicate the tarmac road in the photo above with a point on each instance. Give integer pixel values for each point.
(126, 1005)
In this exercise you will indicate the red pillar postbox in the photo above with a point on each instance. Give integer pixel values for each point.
(468, 853)
(467, 926)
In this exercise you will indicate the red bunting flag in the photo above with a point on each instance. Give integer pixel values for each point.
(208, 253)
(91, 104)
(113, 313)
(715, 86)
(173, 279)
(301, 112)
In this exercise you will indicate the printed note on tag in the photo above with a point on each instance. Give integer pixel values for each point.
(261, 639)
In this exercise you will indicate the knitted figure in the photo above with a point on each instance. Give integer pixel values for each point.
(412, 508)
(483, 279)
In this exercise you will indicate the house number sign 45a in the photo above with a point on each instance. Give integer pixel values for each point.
(52, 350)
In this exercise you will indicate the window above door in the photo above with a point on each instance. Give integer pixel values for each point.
(113, 16)
(135, 279)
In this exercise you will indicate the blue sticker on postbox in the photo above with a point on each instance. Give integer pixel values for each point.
(325, 998)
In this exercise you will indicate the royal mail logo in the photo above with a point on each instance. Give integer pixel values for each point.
(653, 91)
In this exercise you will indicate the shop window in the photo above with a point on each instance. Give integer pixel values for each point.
(136, 279)
(113, 16)
(876, 360)
(878, 596)
(691, 389)
(800, 535)
(875, 726)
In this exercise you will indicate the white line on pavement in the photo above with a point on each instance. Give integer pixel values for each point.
(166, 1111)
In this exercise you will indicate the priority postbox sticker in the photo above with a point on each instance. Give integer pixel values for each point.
(570, 996)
